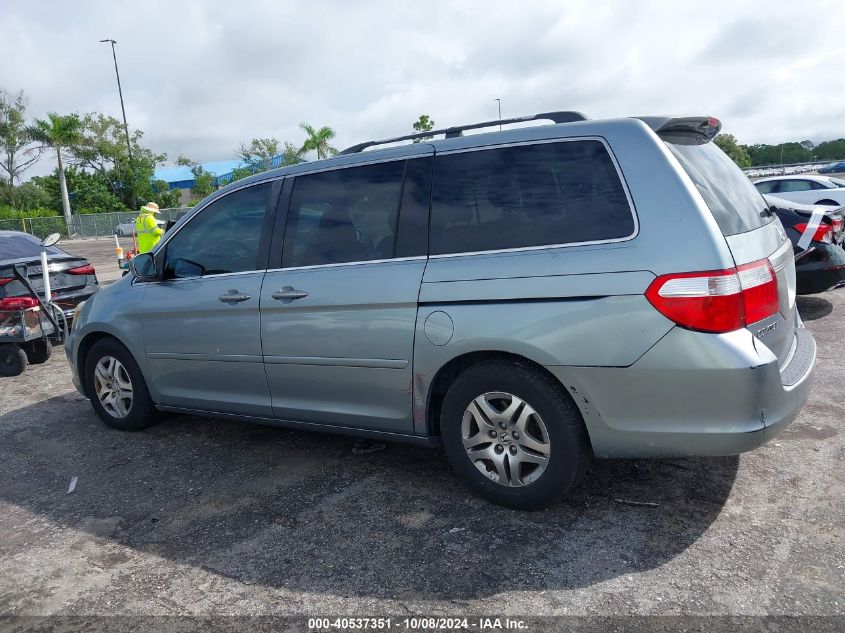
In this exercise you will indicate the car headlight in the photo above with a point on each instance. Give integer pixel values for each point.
(76, 312)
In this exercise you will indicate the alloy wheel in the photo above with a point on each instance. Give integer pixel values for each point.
(506, 439)
(113, 387)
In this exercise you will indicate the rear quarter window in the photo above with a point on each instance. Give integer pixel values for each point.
(735, 203)
(526, 196)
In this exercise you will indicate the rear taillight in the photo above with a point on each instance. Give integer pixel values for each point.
(87, 269)
(822, 233)
(17, 303)
(5, 280)
(719, 300)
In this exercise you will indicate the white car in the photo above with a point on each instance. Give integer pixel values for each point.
(805, 189)
(125, 229)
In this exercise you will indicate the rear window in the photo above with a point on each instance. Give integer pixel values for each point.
(527, 195)
(735, 203)
(18, 246)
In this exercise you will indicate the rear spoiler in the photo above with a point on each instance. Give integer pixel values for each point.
(706, 126)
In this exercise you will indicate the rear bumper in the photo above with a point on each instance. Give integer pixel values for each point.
(692, 394)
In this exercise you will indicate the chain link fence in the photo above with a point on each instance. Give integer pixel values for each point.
(85, 225)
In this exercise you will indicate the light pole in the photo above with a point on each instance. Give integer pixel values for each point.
(120, 92)
(499, 101)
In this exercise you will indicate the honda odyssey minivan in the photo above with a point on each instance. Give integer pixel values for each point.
(526, 298)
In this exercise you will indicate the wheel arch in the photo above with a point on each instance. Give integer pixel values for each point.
(828, 201)
(84, 347)
(451, 369)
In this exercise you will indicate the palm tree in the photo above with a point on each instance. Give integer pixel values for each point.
(59, 132)
(318, 140)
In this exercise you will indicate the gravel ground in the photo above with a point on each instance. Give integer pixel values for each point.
(204, 517)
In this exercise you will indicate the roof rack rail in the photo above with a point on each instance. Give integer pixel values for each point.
(458, 130)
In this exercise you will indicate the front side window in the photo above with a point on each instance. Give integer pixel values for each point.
(223, 238)
(528, 195)
(344, 215)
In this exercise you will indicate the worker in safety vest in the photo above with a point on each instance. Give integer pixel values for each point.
(147, 229)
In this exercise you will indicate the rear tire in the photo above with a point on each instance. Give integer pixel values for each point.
(12, 360)
(527, 443)
(116, 387)
(39, 351)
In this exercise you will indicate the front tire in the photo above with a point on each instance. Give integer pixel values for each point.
(116, 387)
(513, 435)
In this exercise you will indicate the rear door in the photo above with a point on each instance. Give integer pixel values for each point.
(201, 322)
(338, 313)
(752, 232)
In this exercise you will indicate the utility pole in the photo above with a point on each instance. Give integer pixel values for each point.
(122, 107)
(499, 101)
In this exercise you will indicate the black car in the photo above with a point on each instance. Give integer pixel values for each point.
(819, 266)
(72, 278)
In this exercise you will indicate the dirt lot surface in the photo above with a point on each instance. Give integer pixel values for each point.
(200, 517)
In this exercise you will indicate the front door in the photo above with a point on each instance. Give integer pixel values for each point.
(338, 315)
(201, 323)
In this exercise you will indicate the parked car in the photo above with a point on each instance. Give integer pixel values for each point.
(805, 189)
(833, 168)
(72, 279)
(820, 264)
(528, 298)
(125, 229)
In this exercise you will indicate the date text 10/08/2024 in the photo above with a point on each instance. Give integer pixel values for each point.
(415, 624)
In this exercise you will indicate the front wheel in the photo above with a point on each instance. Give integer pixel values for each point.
(514, 435)
(117, 388)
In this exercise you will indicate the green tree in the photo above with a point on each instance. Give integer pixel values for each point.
(102, 149)
(59, 132)
(91, 192)
(204, 181)
(423, 124)
(25, 197)
(259, 154)
(17, 151)
(318, 140)
(830, 150)
(164, 196)
(737, 152)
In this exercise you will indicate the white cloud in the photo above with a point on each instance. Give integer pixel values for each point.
(202, 76)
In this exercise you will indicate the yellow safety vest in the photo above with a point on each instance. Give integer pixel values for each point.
(148, 232)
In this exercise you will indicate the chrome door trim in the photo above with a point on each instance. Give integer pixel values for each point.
(323, 361)
(357, 263)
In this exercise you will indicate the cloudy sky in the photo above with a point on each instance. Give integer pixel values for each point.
(201, 76)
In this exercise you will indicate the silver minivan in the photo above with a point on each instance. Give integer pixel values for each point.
(526, 298)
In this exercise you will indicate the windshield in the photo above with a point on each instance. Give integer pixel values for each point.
(19, 245)
(735, 203)
(837, 181)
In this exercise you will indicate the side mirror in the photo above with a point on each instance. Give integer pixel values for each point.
(51, 240)
(144, 267)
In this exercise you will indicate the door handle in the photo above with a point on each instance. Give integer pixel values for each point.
(233, 296)
(288, 294)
